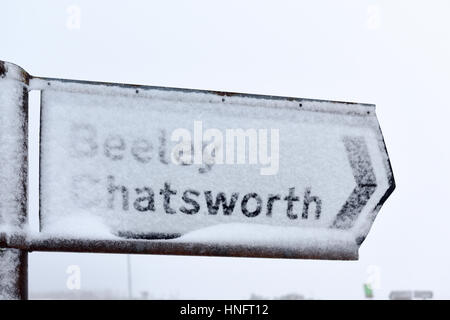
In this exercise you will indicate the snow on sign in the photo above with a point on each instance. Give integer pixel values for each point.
(300, 176)
(142, 169)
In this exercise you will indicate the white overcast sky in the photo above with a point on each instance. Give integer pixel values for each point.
(391, 53)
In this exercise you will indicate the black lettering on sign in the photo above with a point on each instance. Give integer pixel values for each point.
(270, 200)
(290, 203)
(209, 154)
(244, 203)
(194, 203)
(162, 147)
(114, 147)
(149, 198)
(83, 191)
(166, 193)
(83, 140)
(221, 198)
(142, 150)
(112, 189)
(306, 202)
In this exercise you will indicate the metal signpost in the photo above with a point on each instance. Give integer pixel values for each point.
(13, 177)
(155, 170)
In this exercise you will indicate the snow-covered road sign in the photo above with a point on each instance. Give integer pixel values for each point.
(127, 168)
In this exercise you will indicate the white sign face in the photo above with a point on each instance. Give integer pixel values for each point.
(160, 163)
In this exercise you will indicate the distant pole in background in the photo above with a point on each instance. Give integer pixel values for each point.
(130, 286)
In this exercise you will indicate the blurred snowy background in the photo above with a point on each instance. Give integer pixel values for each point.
(391, 53)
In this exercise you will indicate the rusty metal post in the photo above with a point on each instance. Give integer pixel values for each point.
(14, 274)
(13, 177)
